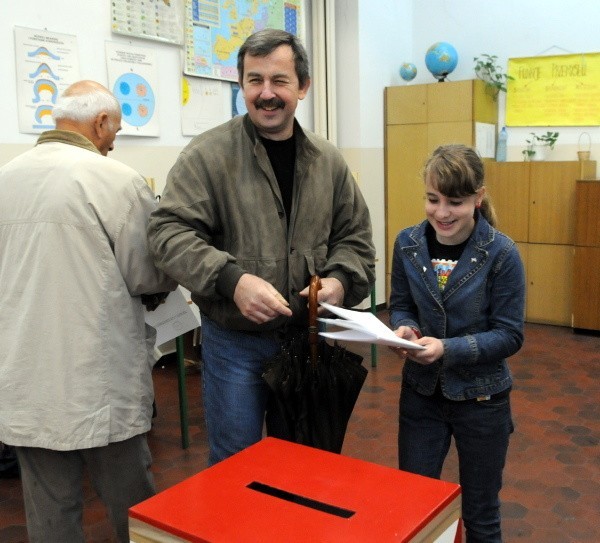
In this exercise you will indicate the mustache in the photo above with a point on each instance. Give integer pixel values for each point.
(271, 103)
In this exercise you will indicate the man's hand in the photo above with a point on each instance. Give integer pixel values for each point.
(331, 292)
(258, 300)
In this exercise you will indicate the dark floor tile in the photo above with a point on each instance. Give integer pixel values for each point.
(513, 510)
(551, 488)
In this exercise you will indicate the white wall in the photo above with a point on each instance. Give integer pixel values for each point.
(89, 21)
(374, 37)
(512, 28)
(368, 36)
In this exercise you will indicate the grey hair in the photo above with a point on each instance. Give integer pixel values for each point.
(86, 105)
(264, 42)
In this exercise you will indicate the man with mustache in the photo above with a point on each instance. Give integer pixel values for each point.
(252, 209)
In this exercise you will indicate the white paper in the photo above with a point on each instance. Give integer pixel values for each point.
(205, 103)
(363, 326)
(485, 139)
(172, 318)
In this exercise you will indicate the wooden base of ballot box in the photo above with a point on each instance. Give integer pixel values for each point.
(279, 491)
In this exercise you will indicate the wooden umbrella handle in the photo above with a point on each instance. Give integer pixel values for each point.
(313, 306)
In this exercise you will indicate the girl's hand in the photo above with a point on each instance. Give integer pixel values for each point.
(404, 332)
(434, 348)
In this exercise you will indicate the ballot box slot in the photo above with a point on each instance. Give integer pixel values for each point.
(300, 500)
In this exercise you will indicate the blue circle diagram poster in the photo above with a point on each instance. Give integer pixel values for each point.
(136, 98)
(132, 79)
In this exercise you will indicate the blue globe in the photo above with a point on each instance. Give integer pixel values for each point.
(441, 59)
(408, 71)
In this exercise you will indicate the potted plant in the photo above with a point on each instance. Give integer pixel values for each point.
(488, 70)
(537, 145)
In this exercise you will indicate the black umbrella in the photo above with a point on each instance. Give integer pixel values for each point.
(314, 387)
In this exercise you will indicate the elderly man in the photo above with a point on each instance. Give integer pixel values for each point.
(75, 373)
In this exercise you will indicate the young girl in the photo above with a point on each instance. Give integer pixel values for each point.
(458, 289)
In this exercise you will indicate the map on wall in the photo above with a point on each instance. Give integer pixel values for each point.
(215, 30)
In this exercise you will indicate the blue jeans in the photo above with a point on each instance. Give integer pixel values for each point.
(481, 431)
(234, 393)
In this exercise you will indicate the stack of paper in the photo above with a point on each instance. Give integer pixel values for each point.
(364, 327)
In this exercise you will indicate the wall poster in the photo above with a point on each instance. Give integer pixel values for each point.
(160, 20)
(132, 79)
(559, 90)
(47, 63)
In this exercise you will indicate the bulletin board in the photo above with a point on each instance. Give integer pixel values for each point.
(559, 90)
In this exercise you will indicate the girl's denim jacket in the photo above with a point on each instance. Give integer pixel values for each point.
(479, 315)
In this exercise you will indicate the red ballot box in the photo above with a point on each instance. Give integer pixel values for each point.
(276, 491)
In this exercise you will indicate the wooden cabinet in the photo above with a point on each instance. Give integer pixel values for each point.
(507, 185)
(586, 265)
(535, 203)
(549, 272)
(587, 213)
(419, 118)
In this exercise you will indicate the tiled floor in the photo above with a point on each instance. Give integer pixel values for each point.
(551, 492)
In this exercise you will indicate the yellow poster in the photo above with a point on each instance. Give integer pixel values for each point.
(560, 90)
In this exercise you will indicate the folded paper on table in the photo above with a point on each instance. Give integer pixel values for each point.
(172, 318)
(363, 326)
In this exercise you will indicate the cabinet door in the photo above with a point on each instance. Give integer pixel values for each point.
(587, 215)
(586, 288)
(549, 273)
(444, 133)
(406, 104)
(524, 253)
(406, 152)
(508, 187)
(450, 101)
(552, 202)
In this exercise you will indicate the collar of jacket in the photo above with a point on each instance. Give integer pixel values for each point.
(305, 143)
(68, 137)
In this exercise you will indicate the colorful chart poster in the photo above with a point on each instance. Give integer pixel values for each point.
(215, 30)
(559, 90)
(47, 63)
(160, 20)
(132, 79)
